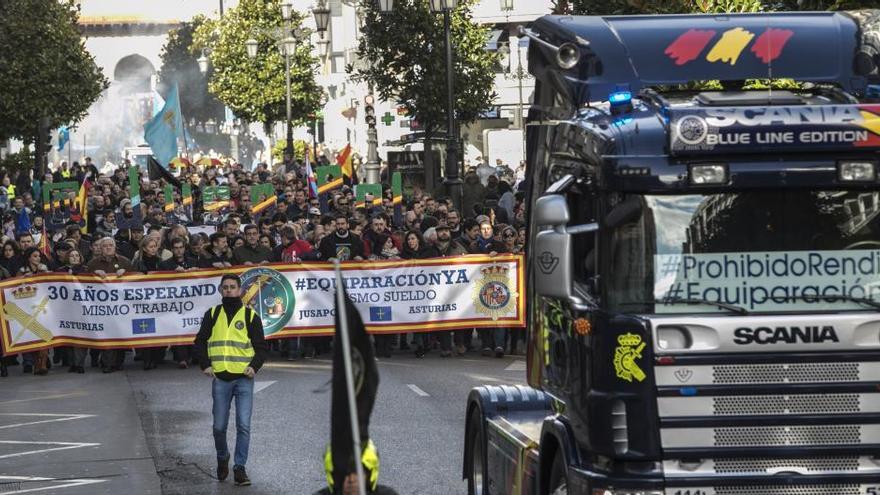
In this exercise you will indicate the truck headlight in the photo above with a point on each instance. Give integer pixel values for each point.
(707, 173)
(857, 171)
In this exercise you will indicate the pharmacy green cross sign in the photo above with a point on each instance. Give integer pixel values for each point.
(387, 118)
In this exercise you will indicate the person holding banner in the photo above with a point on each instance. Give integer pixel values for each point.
(33, 264)
(341, 244)
(217, 254)
(231, 348)
(106, 262)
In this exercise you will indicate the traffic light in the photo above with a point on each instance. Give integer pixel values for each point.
(370, 110)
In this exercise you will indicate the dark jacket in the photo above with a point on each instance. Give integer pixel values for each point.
(343, 248)
(255, 255)
(171, 263)
(147, 264)
(109, 266)
(208, 260)
(472, 195)
(255, 334)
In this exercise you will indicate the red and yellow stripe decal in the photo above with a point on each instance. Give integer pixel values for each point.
(729, 47)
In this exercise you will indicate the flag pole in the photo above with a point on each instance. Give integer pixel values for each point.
(349, 378)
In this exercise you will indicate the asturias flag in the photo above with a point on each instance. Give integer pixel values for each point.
(311, 178)
(161, 131)
(63, 137)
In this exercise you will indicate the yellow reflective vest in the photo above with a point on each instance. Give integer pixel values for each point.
(229, 347)
(65, 174)
(369, 458)
(10, 191)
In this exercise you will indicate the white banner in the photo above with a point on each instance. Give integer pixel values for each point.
(768, 281)
(293, 300)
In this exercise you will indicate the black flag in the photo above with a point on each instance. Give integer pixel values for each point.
(366, 383)
(157, 172)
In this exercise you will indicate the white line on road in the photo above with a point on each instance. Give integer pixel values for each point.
(516, 366)
(415, 388)
(63, 446)
(56, 418)
(46, 397)
(262, 385)
(64, 483)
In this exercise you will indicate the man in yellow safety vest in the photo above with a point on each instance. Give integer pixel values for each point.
(231, 348)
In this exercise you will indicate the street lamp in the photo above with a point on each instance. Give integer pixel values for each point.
(287, 40)
(203, 62)
(453, 180)
(322, 17)
(507, 5)
(286, 11)
(251, 46)
(386, 6)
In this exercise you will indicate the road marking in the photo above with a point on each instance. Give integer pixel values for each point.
(30, 479)
(59, 396)
(63, 446)
(262, 385)
(415, 388)
(516, 366)
(314, 365)
(57, 418)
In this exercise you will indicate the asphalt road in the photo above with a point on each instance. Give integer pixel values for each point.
(140, 432)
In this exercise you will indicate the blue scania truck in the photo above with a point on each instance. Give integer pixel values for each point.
(703, 262)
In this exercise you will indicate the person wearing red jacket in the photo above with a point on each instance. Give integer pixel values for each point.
(292, 249)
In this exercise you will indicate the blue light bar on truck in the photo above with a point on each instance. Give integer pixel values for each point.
(620, 98)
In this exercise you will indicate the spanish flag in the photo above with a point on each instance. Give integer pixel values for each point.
(344, 161)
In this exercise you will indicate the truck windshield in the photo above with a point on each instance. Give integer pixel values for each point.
(780, 251)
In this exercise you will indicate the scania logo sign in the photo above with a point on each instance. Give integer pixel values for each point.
(785, 335)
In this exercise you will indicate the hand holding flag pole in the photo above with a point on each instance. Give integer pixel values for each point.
(349, 377)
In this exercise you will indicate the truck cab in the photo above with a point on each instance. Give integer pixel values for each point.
(703, 262)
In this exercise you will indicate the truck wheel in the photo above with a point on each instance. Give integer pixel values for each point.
(558, 477)
(477, 477)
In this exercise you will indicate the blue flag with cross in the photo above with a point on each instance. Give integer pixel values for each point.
(162, 131)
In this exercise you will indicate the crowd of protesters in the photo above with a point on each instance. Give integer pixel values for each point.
(112, 239)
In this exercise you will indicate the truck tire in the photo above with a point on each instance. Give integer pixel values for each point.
(558, 477)
(478, 479)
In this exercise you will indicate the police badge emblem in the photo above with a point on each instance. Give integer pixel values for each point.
(492, 295)
(268, 292)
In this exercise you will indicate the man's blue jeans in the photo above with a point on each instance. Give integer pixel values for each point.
(242, 389)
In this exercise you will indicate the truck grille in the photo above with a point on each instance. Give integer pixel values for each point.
(789, 490)
(767, 373)
(737, 405)
(846, 489)
(770, 436)
(770, 466)
(764, 466)
(786, 373)
(787, 435)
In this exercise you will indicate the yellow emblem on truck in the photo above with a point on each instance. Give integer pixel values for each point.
(629, 348)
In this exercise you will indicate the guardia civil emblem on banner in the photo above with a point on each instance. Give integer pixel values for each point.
(269, 293)
(492, 295)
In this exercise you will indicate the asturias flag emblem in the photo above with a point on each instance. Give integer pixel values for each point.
(380, 313)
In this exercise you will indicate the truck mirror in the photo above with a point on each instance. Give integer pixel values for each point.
(553, 260)
(628, 211)
(553, 253)
(551, 211)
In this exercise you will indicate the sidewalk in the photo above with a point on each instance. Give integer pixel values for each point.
(72, 434)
